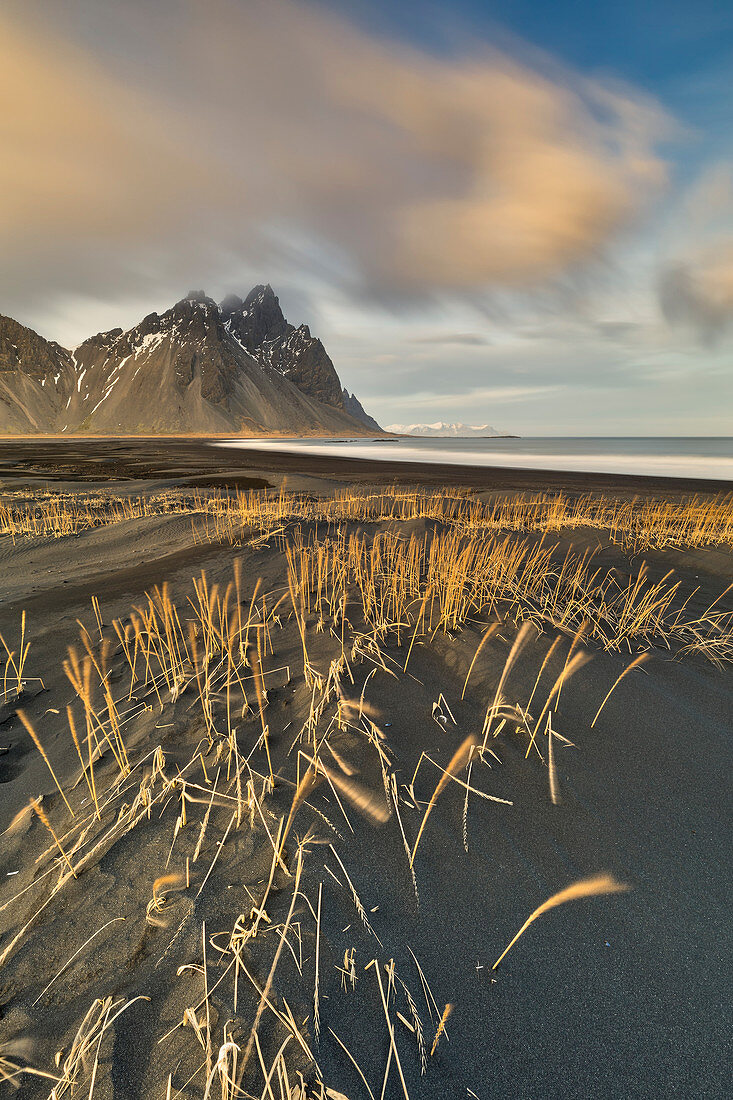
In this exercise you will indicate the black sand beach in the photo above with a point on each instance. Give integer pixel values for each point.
(193, 461)
(621, 995)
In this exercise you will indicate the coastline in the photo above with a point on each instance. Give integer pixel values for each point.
(194, 460)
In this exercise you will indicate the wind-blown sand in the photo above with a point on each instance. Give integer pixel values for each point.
(624, 995)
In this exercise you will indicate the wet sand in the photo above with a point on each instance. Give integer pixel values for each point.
(192, 461)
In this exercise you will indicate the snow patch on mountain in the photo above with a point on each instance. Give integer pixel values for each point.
(237, 367)
(441, 428)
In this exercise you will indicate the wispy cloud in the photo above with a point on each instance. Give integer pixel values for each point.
(696, 280)
(175, 142)
(483, 397)
(467, 339)
(698, 292)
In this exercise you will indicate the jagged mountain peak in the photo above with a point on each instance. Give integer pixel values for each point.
(354, 407)
(12, 330)
(23, 349)
(199, 366)
(256, 319)
(231, 304)
(262, 293)
(198, 297)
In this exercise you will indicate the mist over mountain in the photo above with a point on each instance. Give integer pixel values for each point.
(200, 367)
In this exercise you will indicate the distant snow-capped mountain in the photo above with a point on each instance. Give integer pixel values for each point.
(464, 431)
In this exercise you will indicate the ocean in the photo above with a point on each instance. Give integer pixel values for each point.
(668, 456)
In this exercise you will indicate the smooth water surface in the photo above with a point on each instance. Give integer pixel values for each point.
(704, 457)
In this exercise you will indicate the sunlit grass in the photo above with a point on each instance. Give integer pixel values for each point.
(637, 525)
(208, 663)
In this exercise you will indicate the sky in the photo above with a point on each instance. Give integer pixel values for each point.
(491, 211)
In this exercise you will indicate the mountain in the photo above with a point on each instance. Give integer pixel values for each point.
(236, 367)
(258, 326)
(354, 407)
(464, 431)
(36, 377)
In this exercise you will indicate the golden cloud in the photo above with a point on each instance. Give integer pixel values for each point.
(254, 120)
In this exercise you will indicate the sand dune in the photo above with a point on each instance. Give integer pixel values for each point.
(199, 883)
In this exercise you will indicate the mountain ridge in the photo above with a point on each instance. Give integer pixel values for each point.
(197, 368)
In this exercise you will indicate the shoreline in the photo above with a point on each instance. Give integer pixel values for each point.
(587, 461)
(194, 460)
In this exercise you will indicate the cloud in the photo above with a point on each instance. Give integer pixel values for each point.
(617, 330)
(695, 282)
(468, 339)
(699, 293)
(149, 146)
(483, 397)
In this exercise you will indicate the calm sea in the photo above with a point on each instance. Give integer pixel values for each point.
(704, 457)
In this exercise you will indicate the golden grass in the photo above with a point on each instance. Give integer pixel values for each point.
(585, 888)
(14, 679)
(36, 741)
(441, 1028)
(80, 1065)
(350, 599)
(457, 763)
(441, 581)
(637, 525)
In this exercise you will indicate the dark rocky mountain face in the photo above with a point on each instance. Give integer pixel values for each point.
(259, 325)
(198, 367)
(36, 377)
(256, 319)
(22, 349)
(354, 408)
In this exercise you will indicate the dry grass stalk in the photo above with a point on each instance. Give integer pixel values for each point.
(12, 1072)
(90, 777)
(518, 645)
(488, 634)
(162, 887)
(354, 1063)
(640, 660)
(276, 959)
(551, 769)
(356, 899)
(69, 961)
(217, 853)
(17, 664)
(396, 803)
(40, 812)
(36, 741)
(585, 888)
(87, 1042)
(316, 1013)
(417, 1026)
(569, 669)
(441, 1028)
(458, 761)
(390, 1031)
(373, 808)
